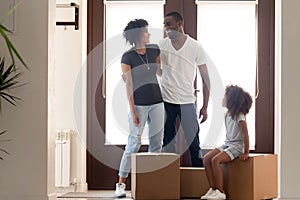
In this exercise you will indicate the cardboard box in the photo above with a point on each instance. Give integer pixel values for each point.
(193, 182)
(155, 176)
(254, 179)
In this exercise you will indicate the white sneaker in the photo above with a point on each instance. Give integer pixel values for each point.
(120, 190)
(217, 195)
(208, 193)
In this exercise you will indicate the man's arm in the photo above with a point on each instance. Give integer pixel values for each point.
(206, 91)
(159, 70)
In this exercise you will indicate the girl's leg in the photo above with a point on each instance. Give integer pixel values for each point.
(216, 161)
(156, 127)
(208, 166)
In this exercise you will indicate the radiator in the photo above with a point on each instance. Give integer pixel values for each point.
(62, 158)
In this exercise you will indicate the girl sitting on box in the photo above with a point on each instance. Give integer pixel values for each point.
(238, 103)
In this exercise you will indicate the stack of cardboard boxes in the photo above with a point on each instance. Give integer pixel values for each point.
(159, 176)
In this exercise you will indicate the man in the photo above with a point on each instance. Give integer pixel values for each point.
(181, 55)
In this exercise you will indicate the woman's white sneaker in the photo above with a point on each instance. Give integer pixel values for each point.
(120, 190)
(208, 194)
(217, 195)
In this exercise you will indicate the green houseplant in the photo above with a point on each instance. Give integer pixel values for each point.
(8, 73)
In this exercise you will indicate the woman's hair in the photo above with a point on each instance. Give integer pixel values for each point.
(133, 30)
(237, 101)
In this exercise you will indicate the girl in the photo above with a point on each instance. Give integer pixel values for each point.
(140, 65)
(238, 103)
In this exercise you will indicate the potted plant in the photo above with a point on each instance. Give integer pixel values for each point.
(8, 72)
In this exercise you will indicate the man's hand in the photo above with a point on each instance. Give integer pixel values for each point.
(203, 113)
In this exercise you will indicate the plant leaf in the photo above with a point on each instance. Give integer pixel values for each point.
(9, 12)
(12, 49)
(5, 151)
(3, 132)
(10, 96)
(5, 29)
(11, 99)
(7, 85)
(7, 140)
(13, 78)
(7, 72)
(1, 65)
(17, 54)
(8, 100)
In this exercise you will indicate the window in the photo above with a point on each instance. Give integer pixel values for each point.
(227, 31)
(118, 14)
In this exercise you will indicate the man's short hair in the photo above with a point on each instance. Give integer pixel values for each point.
(176, 15)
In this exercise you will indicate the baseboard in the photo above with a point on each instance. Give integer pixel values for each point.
(52, 196)
(29, 197)
(81, 187)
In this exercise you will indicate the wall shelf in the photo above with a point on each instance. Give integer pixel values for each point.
(70, 23)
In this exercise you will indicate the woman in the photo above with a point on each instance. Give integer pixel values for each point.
(139, 66)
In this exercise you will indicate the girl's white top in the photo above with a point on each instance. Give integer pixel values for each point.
(234, 134)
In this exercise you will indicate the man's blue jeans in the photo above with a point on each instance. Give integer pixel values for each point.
(190, 127)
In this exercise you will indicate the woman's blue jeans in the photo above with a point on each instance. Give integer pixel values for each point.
(154, 116)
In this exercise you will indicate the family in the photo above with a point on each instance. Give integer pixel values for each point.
(175, 60)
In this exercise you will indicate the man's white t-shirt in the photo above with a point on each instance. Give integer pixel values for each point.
(179, 70)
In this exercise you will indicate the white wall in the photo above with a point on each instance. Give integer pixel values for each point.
(70, 85)
(290, 99)
(26, 174)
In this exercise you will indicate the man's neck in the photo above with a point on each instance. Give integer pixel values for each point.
(179, 41)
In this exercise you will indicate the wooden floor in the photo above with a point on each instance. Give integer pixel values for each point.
(93, 195)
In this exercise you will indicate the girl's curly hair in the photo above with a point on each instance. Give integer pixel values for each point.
(133, 30)
(237, 101)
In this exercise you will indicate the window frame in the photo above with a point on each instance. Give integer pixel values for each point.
(264, 114)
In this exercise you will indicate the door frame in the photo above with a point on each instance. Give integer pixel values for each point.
(100, 175)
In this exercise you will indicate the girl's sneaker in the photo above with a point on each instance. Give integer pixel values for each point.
(208, 193)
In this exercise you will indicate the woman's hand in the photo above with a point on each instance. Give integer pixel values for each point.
(135, 119)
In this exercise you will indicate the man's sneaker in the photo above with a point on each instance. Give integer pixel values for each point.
(217, 195)
(120, 190)
(208, 193)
